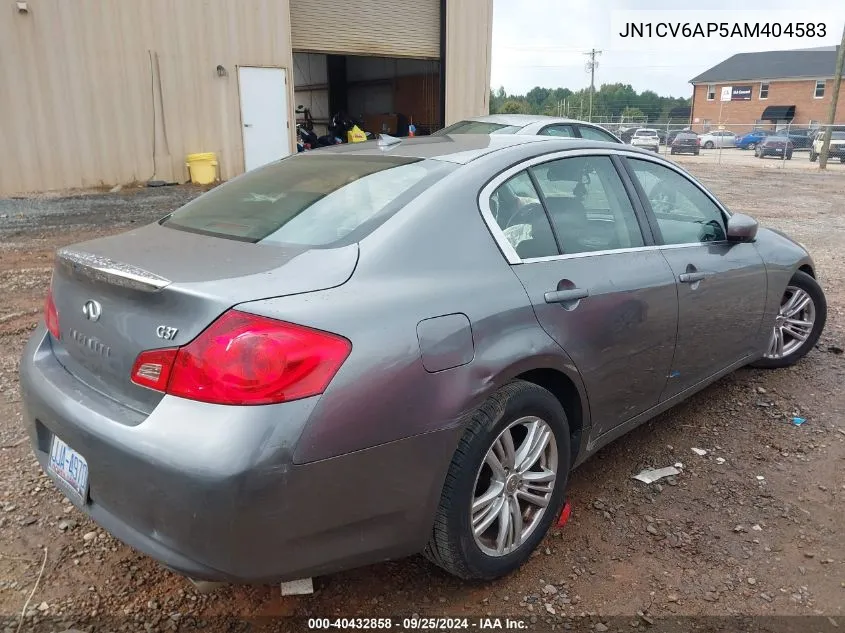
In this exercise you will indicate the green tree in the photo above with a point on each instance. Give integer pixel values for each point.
(514, 106)
(632, 114)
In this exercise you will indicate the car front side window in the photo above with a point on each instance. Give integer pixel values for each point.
(684, 213)
(588, 204)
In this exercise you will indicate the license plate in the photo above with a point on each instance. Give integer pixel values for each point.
(70, 467)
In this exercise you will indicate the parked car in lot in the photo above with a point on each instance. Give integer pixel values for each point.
(835, 150)
(534, 124)
(779, 146)
(718, 138)
(685, 143)
(674, 133)
(646, 138)
(752, 139)
(801, 137)
(368, 351)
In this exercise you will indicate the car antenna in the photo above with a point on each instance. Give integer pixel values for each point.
(385, 140)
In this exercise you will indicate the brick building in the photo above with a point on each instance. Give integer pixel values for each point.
(769, 89)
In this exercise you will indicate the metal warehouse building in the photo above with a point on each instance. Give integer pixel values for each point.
(100, 92)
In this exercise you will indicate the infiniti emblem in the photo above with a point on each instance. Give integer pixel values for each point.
(92, 310)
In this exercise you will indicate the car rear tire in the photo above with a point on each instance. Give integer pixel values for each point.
(802, 315)
(813, 156)
(485, 489)
(695, 153)
(789, 156)
(708, 145)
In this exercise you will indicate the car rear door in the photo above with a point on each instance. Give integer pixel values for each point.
(721, 285)
(582, 250)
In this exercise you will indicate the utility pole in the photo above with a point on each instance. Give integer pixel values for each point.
(834, 99)
(591, 68)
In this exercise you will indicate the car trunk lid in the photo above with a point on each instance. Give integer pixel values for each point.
(157, 287)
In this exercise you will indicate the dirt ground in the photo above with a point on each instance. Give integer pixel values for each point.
(756, 527)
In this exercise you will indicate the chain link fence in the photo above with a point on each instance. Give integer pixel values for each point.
(752, 143)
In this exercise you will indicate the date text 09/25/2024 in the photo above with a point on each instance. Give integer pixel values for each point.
(417, 624)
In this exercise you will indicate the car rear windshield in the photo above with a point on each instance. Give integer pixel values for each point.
(646, 133)
(310, 199)
(477, 127)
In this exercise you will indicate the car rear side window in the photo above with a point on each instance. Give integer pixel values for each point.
(588, 204)
(594, 134)
(516, 206)
(684, 213)
(477, 127)
(565, 131)
(310, 200)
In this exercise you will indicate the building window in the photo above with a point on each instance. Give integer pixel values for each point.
(706, 123)
(813, 125)
(711, 92)
(819, 93)
(764, 90)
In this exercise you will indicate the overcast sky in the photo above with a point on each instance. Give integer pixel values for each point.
(542, 42)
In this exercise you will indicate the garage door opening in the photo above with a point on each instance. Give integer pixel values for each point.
(383, 94)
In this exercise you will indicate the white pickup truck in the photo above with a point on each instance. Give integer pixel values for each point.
(837, 147)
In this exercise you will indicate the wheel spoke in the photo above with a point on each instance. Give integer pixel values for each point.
(486, 517)
(796, 304)
(800, 323)
(779, 349)
(495, 489)
(537, 477)
(773, 342)
(516, 521)
(495, 465)
(503, 538)
(533, 429)
(796, 333)
(541, 440)
(509, 457)
(537, 500)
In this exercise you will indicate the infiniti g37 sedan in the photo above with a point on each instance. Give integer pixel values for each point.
(369, 351)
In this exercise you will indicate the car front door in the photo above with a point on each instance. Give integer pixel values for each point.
(598, 288)
(721, 284)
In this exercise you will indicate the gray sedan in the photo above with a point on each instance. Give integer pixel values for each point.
(370, 351)
(530, 124)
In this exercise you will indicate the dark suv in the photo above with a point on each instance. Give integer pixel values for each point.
(685, 142)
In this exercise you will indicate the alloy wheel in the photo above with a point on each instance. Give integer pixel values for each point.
(793, 324)
(514, 486)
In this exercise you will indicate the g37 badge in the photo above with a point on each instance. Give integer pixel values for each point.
(166, 332)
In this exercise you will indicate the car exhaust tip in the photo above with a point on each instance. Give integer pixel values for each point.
(205, 586)
(301, 587)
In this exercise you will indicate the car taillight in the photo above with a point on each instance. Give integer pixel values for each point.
(244, 359)
(152, 368)
(51, 316)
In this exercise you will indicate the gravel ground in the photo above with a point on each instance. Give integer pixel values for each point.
(753, 528)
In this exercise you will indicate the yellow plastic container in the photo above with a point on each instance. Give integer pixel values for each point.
(202, 167)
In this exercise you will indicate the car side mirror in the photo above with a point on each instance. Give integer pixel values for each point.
(741, 228)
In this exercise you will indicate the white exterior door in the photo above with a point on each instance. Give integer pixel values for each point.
(264, 115)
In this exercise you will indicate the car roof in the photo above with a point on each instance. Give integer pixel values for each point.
(522, 119)
(463, 148)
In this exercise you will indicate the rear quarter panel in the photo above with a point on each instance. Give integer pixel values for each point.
(435, 257)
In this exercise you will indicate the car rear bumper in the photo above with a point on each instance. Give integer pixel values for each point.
(212, 491)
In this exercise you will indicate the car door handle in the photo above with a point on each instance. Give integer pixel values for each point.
(691, 278)
(565, 296)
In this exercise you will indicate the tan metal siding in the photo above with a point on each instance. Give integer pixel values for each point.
(469, 36)
(388, 28)
(77, 92)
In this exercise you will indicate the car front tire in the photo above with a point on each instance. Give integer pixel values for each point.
(505, 485)
(798, 324)
(752, 146)
(813, 156)
(708, 145)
